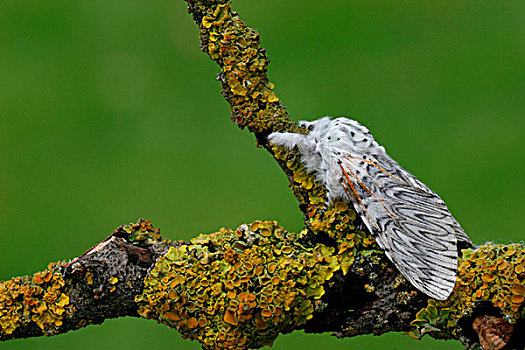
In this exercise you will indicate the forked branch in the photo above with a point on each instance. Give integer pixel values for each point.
(242, 288)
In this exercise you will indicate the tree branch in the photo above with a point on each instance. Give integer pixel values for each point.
(242, 288)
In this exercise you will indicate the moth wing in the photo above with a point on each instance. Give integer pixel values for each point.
(395, 169)
(412, 225)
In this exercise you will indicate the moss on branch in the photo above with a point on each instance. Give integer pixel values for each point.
(241, 289)
(237, 289)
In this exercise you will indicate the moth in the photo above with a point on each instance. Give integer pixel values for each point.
(409, 221)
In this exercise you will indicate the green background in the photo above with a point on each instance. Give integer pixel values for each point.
(110, 112)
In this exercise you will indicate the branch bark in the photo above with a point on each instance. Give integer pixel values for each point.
(242, 288)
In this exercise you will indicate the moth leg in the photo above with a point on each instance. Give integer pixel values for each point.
(323, 210)
(286, 139)
(351, 191)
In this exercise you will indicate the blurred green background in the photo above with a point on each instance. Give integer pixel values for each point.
(110, 112)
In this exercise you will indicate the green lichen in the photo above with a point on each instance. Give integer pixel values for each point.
(238, 289)
(40, 299)
(491, 275)
(142, 233)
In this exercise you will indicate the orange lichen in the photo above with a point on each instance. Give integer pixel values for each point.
(142, 233)
(40, 298)
(491, 274)
(267, 287)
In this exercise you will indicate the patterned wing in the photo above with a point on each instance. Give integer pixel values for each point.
(409, 221)
(393, 168)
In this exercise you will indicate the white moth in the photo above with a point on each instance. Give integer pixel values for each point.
(409, 221)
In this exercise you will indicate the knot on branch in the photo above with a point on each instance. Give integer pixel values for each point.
(494, 332)
(100, 284)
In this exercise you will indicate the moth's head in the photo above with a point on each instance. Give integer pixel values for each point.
(307, 125)
(315, 125)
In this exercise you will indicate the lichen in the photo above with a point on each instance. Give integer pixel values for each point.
(494, 275)
(244, 65)
(141, 233)
(238, 289)
(40, 299)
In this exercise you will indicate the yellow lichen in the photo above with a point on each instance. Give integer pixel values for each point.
(142, 233)
(491, 274)
(236, 48)
(255, 283)
(40, 298)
